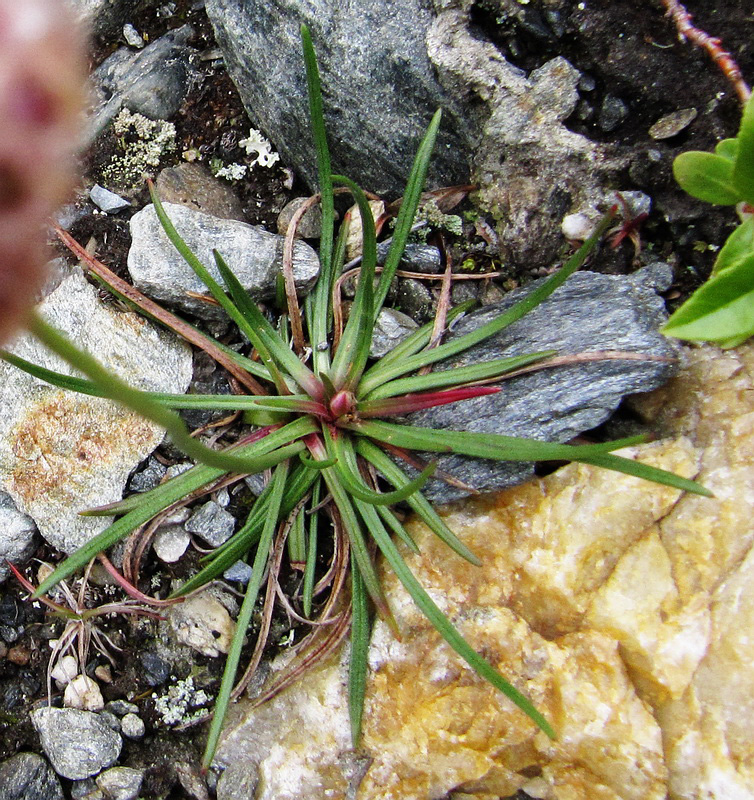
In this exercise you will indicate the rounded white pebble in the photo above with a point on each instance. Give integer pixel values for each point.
(132, 726)
(83, 693)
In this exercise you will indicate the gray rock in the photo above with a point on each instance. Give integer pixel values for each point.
(132, 726)
(17, 535)
(78, 743)
(153, 81)
(380, 87)
(104, 17)
(237, 782)
(121, 707)
(214, 524)
(193, 185)
(252, 253)
(392, 328)
(149, 477)
(121, 783)
(416, 257)
(61, 452)
(530, 169)
(86, 790)
(589, 313)
(415, 300)
(613, 113)
(132, 37)
(240, 572)
(27, 776)
(106, 200)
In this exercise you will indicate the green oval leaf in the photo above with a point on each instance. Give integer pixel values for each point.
(743, 166)
(707, 176)
(721, 310)
(727, 148)
(740, 245)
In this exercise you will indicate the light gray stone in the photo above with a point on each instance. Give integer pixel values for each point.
(17, 535)
(170, 543)
(61, 452)
(27, 776)
(380, 87)
(530, 169)
(252, 253)
(591, 312)
(392, 328)
(214, 524)
(153, 81)
(121, 783)
(78, 743)
(106, 200)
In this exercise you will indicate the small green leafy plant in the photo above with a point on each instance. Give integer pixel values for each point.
(722, 311)
(335, 459)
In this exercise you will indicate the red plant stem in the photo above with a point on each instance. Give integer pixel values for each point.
(687, 30)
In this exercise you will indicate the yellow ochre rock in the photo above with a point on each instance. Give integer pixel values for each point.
(623, 609)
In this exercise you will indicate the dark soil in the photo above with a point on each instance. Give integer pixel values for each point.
(625, 50)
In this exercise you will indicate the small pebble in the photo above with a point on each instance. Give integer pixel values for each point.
(110, 720)
(19, 655)
(214, 524)
(240, 572)
(84, 694)
(170, 543)
(132, 36)
(132, 726)
(613, 112)
(121, 783)
(121, 707)
(108, 201)
(672, 124)
(65, 670)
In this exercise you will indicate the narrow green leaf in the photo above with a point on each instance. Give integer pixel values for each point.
(409, 205)
(244, 616)
(349, 475)
(307, 590)
(419, 504)
(391, 521)
(743, 166)
(359, 550)
(353, 349)
(415, 341)
(509, 448)
(323, 289)
(738, 246)
(357, 670)
(707, 176)
(448, 632)
(520, 309)
(265, 338)
(721, 309)
(452, 377)
(297, 540)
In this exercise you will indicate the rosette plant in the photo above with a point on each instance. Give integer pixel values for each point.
(322, 410)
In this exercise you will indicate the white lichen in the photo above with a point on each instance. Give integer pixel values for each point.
(144, 143)
(175, 706)
(231, 172)
(259, 147)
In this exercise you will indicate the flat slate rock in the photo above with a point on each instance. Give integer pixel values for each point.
(591, 312)
(380, 89)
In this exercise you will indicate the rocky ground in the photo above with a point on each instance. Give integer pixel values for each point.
(632, 72)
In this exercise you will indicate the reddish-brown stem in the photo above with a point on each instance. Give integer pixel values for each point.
(724, 60)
